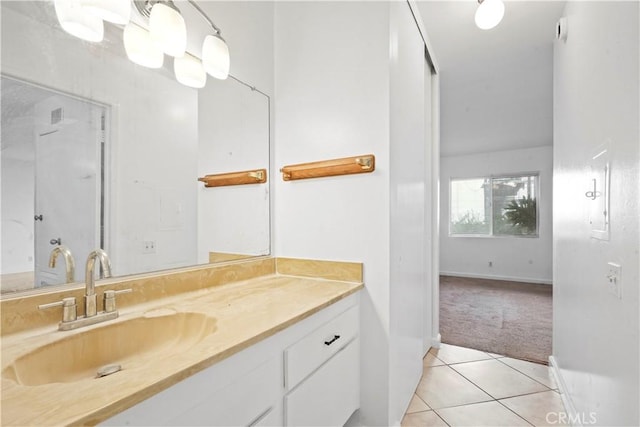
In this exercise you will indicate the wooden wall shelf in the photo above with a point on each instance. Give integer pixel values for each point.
(257, 176)
(344, 166)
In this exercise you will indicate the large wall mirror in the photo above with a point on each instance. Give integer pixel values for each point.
(98, 152)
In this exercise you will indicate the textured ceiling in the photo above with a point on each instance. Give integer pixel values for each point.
(496, 88)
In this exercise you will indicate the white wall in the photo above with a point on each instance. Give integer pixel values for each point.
(342, 92)
(595, 334)
(513, 258)
(332, 100)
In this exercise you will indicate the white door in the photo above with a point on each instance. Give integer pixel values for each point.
(68, 184)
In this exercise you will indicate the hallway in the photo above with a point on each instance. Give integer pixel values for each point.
(465, 387)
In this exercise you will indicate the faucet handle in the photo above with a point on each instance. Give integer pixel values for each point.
(69, 308)
(110, 299)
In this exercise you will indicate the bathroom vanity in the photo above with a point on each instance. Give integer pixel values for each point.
(259, 342)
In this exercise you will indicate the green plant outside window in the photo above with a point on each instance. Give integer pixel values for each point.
(494, 206)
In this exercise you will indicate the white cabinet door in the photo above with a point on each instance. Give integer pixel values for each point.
(330, 395)
(212, 398)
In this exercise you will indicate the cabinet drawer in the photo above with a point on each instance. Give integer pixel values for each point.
(329, 396)
(313, 350)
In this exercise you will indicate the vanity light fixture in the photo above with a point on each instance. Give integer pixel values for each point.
(166, 33)
(115, 11)
(489, 13)
(75, 20)
(215, 52)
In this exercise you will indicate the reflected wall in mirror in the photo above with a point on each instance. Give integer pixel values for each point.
(150, 213)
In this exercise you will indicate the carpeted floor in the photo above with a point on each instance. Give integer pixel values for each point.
(509, 318)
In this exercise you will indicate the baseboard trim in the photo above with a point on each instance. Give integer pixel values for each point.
(436, 341)
(564, 395)
(496, 277)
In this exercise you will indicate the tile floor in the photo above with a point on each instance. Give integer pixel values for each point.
(465, 387)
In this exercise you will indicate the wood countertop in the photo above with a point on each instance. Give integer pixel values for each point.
(243, 313)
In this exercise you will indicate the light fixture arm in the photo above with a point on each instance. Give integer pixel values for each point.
(144, 7)
(204, 15)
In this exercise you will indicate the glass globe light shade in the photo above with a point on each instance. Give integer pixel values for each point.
(189, 71)
(215, 57)
(168, 29)
(140, 47)
(75, 20)
(489, 14)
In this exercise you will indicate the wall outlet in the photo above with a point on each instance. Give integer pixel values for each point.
(490, 263)
(149, 247)
(614, 279)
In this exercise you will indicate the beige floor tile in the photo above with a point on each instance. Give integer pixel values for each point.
(422, 419)
(498, 379)
(441, 387)
(481, 414)
(453, 354)
(540, 373)
(540, 409)
(495, 356)
(417, 405)
(430, 360)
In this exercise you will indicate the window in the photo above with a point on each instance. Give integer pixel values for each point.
(494, 206)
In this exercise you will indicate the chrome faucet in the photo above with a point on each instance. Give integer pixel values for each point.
(90, 297)
(70, 265)
(70, 319)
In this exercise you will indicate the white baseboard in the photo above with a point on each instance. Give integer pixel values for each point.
(436, 341)
(497, 277)
(564, 395)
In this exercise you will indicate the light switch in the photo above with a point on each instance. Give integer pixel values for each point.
(614, 279)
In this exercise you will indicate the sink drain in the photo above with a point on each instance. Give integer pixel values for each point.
(108, 370)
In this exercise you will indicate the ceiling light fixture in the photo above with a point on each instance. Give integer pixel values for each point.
(165, 31)
(489, 13)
